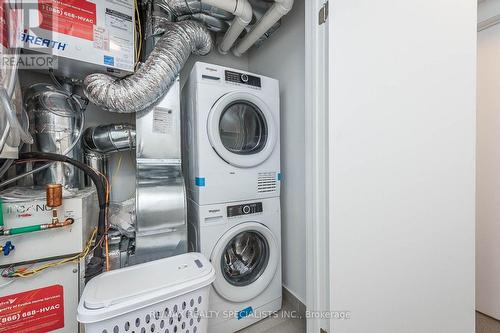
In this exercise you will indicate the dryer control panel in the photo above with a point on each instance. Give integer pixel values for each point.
(246, 209)
(241, 78)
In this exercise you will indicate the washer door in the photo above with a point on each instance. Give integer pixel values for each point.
(245, 259)
(242, 129)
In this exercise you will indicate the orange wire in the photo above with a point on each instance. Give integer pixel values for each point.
(106, 240)
(106, 222)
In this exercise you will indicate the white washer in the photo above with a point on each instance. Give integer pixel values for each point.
(243, 242)
(231, 135)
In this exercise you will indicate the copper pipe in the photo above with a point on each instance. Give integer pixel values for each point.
(69, 221)
(54, 195)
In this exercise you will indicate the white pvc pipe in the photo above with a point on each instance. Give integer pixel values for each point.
(277, 11)
(243, 13)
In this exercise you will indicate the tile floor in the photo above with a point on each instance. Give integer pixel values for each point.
(278, 324)
(485, 324)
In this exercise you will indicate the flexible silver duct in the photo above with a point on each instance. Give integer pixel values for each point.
(177, 8)
(152, 80)
(212, 23)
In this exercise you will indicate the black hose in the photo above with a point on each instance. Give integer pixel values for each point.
(97, 264)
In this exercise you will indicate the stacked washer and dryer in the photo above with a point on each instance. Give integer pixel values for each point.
(231, 158)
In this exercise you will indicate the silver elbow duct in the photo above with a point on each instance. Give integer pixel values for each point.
(212, 23)
(178, 8)
(151, 81)
(107, 139)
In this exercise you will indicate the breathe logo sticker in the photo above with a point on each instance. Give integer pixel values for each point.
(39, 310)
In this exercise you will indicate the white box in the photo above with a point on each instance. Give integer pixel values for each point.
(21, 212)
(86, 36)
(42, 303)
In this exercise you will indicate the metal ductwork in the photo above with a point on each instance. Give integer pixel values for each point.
(152, 80)
(112, 138)
(178, 8)
(102, 141)
(266, 23)
(212, 23)
(212, 13)
(161, 222)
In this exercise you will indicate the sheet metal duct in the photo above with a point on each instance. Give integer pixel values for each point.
(111, 138)
(161, 225)
(56, 121)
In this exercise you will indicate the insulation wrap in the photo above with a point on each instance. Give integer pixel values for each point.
(153, 79)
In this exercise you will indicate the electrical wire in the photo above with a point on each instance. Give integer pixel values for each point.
(95, 265)
(6, 284)
(55, 80)
(106, 220)
(24, 273)
(107, 197)
(139, 32)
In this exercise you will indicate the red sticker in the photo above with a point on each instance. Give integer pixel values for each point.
(40, 310)
(70, 17)
(4, 32)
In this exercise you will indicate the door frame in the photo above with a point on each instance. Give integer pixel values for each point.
(316, 166)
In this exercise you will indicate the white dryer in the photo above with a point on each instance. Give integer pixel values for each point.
(231, 135)
(243, 242)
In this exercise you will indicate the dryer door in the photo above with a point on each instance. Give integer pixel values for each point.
(242, 129)
(245, 259)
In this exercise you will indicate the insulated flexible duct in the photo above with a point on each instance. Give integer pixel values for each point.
(177, 8)
(152, 80)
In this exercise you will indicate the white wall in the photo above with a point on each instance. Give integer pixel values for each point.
(402, 165)
(282, 57)
(488, 167)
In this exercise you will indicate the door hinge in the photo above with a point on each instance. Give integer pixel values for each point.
(322, 331)
(323, 13)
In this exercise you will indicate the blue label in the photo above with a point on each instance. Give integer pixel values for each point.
(109, 60)
(199, 181)
(280, 176)
(245, 313)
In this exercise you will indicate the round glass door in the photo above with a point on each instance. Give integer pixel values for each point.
(242, 130)
(245, 258)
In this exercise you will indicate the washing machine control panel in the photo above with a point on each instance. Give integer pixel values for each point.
(242, 78)
(246, 209)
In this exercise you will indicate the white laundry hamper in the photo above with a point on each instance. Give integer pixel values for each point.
(163, 296)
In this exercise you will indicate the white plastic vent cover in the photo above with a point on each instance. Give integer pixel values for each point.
(267, 182)
(164, 296)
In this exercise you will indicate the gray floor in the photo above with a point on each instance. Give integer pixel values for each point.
(278, 324)
(485, 324)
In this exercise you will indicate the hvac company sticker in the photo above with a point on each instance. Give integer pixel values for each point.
(38, 310)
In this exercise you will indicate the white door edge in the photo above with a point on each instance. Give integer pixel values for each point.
(316, 134)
